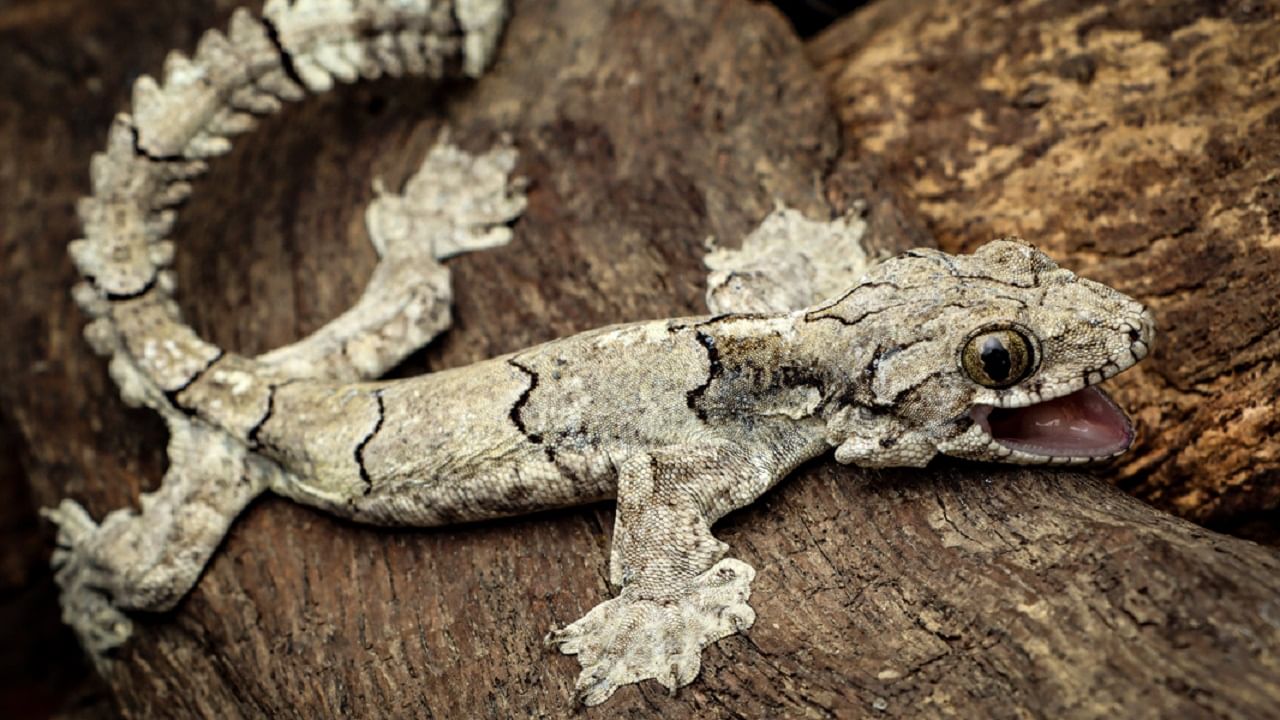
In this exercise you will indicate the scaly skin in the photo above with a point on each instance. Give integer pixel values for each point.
(681, 420)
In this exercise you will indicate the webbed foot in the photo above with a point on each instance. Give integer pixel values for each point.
(456, 203)
(86, 603)
(635, 637)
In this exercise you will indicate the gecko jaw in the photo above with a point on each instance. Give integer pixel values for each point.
(1082, 426)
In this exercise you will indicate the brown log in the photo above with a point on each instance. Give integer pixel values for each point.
(1138, 142)
(643, 128)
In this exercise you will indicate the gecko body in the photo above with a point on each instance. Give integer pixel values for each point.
(992, 356)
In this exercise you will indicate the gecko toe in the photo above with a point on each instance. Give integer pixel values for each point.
(73, 522)
(597, 683)
(680, 670)
(740, 617)
(567, 640)
(631, 638)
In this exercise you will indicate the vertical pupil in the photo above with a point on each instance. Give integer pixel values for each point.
(995, 359)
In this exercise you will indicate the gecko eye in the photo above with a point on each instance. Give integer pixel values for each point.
(998, 357)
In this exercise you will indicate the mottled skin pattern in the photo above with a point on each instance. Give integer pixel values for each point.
(681, 420)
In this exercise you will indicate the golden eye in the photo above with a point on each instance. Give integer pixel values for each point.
(998, 358)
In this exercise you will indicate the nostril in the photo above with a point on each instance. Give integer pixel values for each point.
(1134, 335)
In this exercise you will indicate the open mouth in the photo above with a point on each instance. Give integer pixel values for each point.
(1083, 425)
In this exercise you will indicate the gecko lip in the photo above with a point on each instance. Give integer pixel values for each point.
(1082, 425)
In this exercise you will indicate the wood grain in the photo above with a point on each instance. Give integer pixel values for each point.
(1136, 141)
(643, 128)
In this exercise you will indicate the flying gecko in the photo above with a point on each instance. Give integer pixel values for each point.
(993, 356)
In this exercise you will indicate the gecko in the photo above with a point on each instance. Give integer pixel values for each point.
(808, 348)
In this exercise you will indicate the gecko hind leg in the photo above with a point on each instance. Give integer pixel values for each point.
(679, 593)
(455, 203)
(148, 560)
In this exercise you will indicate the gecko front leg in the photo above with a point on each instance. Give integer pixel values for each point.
(786, 263)
(679, 593)
(455, 203)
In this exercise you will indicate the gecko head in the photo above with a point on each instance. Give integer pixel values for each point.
(994, 356)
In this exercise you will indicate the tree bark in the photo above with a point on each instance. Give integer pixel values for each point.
(1136, 141)
(643, 128)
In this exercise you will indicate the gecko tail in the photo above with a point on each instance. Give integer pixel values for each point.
(174, 126)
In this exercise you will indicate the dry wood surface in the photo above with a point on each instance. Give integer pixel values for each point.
(1131, 142)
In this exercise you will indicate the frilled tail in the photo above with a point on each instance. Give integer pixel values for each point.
(156, 150)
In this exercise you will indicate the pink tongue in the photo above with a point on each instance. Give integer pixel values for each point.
(1084, 423)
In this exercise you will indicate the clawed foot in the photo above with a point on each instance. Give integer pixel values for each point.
(86, 604)
(456, 202)
(630, 638)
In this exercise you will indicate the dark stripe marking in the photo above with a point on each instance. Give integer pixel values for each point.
(172, 395)
(121, 297)
(286, 59)
(714, 368)
(814, 316)
(359, 451)
(523, 400)
(254, 443)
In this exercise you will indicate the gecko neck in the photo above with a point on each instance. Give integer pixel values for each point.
(785, 366)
